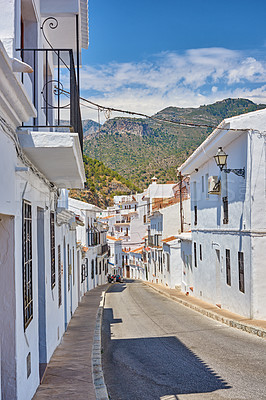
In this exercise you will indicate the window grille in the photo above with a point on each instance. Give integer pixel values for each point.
(92, 269)
(73, 265)
(225, 207)
(59, 277)
(52, 242)
(27, 263)
(83, 273)
(195, 215)
(86, 268)
(195, 255)
(68, 267)
(228, 267)
(241, 271)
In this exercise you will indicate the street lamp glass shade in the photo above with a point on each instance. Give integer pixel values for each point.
(220, 158)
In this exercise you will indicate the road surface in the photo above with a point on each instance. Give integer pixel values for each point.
(155, 348)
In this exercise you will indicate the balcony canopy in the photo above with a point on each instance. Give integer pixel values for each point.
(56, 155)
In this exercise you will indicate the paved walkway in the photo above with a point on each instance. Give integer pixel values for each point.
(69, 372)
(257, 327)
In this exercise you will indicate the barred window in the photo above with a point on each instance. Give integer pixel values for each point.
(59, 277)
(225, 208)
(52, 242)
(195, 215)
(195, 255)
(68, 267)
(73, 266)
(241, 271)
(228, 267)
(86, 267)
(83, 273)
(200, 252)
(92, 269)
(27, 263)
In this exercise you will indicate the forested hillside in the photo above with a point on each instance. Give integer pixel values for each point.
(140, 148)
(102, 184)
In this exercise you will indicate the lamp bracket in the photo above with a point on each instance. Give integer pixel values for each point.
(236, 171)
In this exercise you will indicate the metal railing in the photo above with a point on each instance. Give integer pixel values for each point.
(48, 93)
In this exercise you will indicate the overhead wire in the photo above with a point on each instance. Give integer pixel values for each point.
(154, 118)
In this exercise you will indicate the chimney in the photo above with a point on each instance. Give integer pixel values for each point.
(154, 180)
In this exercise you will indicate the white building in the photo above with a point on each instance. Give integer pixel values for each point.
(92, 247)
(164, 246)
(38, 257)
(116, 255)
(228, 218)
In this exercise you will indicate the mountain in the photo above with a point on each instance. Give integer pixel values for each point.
(90, 127)
(102, 184)
(138, 148)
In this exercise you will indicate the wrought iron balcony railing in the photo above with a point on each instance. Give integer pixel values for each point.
(57, 108)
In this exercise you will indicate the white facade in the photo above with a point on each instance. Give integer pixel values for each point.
(228, 228)
(39, 255)
(116, 255)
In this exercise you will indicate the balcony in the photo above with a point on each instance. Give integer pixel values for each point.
(58, 108)
(155, 241)
(104, 248)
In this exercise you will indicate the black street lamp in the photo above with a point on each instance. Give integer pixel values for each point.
(221, 158)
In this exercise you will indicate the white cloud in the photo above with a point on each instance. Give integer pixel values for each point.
(192, 78)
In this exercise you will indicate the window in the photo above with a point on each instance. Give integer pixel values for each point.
(207, 185)
(73, 265)
(92, 269)
(225, 208)
(144, 219)
(100, 268)
(195, 215)
(200, 252)
(83, 273)
(86, 268)
(96, 268)
(168, 261)
(27, 263)
(195, 254)
(59, 277)
(228, 267)
(68, 267)
(52, 243)
(241, 271)
(202, 184)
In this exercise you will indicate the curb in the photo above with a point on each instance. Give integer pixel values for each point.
(211, 314)
(96, 355)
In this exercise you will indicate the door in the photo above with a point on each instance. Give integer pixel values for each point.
(128, 272)
(7, 309)
(41, 292)
(218, 277)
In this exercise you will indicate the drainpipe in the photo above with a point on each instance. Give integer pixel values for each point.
(181, 206)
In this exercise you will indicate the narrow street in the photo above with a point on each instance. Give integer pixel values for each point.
(154, 348)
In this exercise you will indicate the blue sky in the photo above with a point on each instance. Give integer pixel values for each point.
(145, 55)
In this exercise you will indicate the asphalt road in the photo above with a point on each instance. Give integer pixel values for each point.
(155, 348)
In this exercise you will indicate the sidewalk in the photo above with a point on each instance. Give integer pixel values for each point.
(69, 372)
(256, 327)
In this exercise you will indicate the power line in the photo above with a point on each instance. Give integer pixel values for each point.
(161, 120)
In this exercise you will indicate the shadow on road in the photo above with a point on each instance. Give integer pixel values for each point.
(117, 287)
(153, 367)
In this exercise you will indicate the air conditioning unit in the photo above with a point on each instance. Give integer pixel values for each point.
(214, 185)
